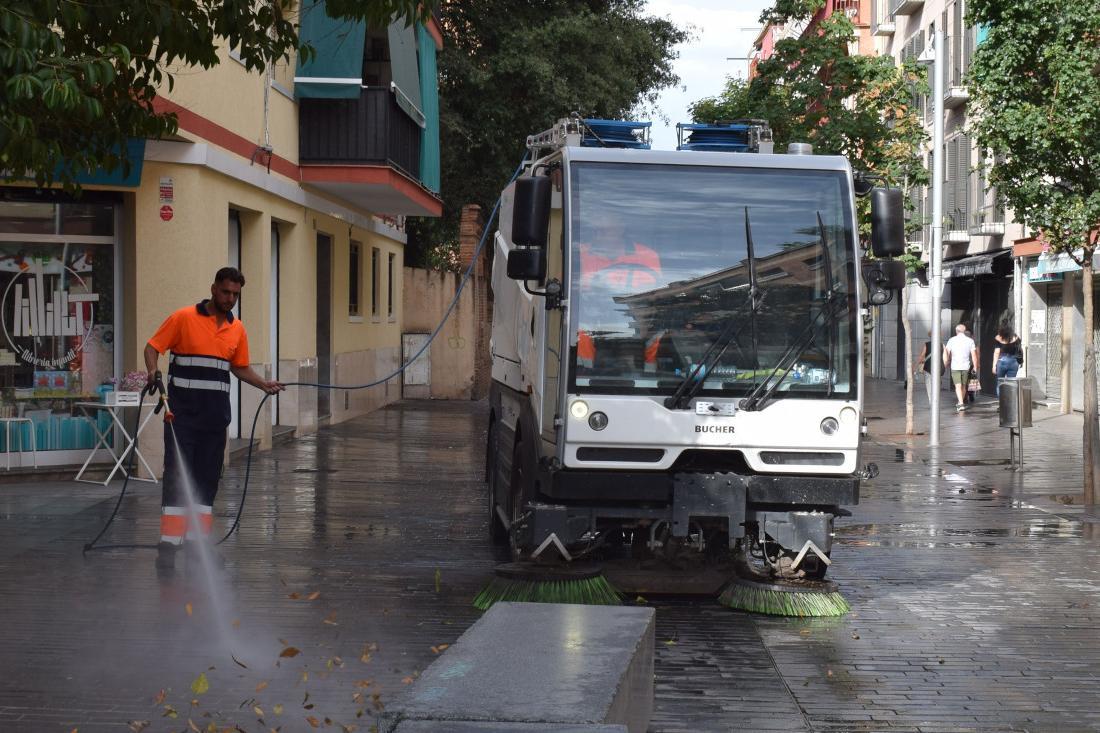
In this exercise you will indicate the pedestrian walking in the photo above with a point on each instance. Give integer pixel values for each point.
(973, 384)
(1007, 356)
(208, 343)
(923, 366)
(960, 355)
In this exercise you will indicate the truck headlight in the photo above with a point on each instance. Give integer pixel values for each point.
(597, 421)
(579, 409)
(829, 426)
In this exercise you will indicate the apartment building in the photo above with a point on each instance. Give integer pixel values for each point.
(301, 175)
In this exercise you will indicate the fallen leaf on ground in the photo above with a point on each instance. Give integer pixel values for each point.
(364, 684)
(188, 609)
(236, 623)
(289, 652)
(201, 684)
(314, 595)
(161, 697)
(294, 596)
(260, 687)
(330, 619)
(406, 680)
(259, 711)
(135, 725)
(169, 712)
(313, 722)
(438, 648)
(278, 709)
(192, 726)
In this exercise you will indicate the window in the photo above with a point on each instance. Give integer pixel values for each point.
(389, 286)
(374, 259)
(354, 278)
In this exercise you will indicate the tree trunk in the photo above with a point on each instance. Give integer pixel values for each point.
(908, 360)
(1091, 437)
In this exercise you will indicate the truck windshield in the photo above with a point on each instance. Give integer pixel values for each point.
(660, 264)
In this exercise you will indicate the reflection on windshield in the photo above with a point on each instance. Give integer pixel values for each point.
(660, 265)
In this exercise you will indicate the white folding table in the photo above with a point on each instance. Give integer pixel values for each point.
(129, 442)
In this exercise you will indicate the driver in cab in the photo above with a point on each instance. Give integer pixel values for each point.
(611, 265)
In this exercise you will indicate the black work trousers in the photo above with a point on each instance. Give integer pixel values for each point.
(200, 457)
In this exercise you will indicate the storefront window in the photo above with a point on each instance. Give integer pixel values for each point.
(56, 319)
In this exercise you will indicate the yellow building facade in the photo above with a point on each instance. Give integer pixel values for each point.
(317, 235)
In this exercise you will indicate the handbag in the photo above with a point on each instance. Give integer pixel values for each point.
(973, 385)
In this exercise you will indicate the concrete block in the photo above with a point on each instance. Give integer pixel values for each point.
(545, 664)
(452, 726)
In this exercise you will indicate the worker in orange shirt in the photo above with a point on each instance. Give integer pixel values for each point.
(208, 343)
(609, 262)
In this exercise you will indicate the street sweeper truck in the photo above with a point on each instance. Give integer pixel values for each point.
(677, 359)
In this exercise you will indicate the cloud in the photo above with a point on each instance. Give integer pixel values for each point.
(718, 32)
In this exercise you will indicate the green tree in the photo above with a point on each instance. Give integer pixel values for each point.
(862, 107)
(79, 78)
(1035, 85)
(510, 69)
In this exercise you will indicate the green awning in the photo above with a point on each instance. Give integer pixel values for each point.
(404, 69)
(336, 69)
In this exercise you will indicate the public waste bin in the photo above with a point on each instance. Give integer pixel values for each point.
(1015, 403)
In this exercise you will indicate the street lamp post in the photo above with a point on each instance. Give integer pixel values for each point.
(933, 56)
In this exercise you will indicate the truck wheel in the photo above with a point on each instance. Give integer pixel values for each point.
(498, 535)
(518, 490)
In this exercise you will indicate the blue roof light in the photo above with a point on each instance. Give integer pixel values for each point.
(616, 134)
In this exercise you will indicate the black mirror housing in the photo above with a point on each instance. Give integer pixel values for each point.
(887, 222)
(527, 264)
(531, 212)
(883, 277)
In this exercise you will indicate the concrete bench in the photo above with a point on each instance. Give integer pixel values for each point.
(539, 667)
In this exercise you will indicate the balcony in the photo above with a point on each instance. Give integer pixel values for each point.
(365, 151)
(954, 96)
(989, 221)
(905, 7)
(885, 29)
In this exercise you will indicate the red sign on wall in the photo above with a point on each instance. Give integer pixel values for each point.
(166, 212)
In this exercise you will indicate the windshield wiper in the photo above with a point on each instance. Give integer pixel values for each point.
(832, 305)
(692, 383)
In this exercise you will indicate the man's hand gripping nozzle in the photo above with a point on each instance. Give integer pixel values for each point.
(157, 386)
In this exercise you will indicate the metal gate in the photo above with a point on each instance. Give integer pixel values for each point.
(1054, 342)
(416, 380)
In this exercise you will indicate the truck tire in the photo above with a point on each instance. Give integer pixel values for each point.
(519, 489)
(498, 534)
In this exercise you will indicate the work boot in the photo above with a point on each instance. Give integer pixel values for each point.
(166, 557)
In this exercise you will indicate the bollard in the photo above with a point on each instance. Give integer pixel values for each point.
(1014, 410)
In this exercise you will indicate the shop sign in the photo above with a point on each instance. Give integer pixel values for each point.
(1034, 276)
(1050, 263)
(38, 314)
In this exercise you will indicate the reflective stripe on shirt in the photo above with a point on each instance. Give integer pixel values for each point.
(208, 384)
(201, 361)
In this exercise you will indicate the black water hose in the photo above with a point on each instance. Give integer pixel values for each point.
(252, 434)
(148, 389)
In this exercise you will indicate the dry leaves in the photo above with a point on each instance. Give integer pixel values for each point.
(260, 687)
(439, 647)
(135, 725)
(313, 722)
(330, 619)
(289, 652)
(188, 608)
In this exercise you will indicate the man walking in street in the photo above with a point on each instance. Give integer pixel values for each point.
(207, 343)
(960, 355)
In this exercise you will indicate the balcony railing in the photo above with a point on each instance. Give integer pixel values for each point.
(884, 29)
(988, 221)
(372, 129)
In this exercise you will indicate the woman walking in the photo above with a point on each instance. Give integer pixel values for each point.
(1007, 355)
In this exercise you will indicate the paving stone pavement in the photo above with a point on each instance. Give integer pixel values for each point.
(975, 594)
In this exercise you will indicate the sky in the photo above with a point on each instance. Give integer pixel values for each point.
(721, 29)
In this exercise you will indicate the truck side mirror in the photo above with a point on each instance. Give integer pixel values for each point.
(531, 212)
(527, 264)
(887, 222)
(883, 277)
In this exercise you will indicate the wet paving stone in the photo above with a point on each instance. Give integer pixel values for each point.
(975, 595)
